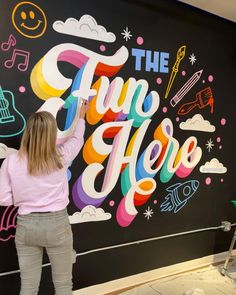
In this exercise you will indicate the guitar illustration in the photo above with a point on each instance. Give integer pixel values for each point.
(12, 122)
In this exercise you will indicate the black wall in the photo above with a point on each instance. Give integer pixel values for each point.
(165, 26)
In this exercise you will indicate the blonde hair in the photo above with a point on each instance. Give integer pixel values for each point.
(38, 143)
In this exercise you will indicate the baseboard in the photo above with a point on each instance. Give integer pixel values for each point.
(148, 276)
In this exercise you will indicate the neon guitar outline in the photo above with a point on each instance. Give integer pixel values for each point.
(12, 122)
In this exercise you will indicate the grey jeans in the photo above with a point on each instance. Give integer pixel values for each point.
(52, 231)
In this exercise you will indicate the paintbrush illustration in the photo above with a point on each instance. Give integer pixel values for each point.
(203, 99)
(180, 55)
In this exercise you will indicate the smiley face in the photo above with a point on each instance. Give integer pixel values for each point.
(29, 19)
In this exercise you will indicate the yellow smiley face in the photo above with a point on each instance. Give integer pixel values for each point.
(29, 19)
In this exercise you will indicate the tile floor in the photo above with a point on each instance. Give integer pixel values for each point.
(205, 281)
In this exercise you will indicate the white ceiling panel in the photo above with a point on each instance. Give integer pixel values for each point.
(223, 8)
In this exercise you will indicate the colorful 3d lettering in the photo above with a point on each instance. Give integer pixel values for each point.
(119, 107)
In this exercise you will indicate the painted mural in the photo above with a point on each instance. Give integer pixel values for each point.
(118, 108)
(152, 139)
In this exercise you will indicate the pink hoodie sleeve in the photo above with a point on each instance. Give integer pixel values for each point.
(70, 149)
(6, 198)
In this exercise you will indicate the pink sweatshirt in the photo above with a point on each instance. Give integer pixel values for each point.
(48, 192)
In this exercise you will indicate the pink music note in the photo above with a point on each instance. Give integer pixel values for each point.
(21, 66)
(10, 42)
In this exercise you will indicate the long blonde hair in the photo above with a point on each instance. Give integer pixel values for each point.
(38, 143)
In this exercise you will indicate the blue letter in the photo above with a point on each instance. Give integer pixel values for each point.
(152, 64)
(164, 62)
(138, 53)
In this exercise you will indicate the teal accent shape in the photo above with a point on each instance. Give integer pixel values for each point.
(71, 112)
(138, 120)
(69, 101)
(125, 181)
(165, 175)
(233, 202)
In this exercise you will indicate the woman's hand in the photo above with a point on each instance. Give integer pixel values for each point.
(83, 109)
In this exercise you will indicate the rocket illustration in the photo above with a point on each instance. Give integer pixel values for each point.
(179, 194)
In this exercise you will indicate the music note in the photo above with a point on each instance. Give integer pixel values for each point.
(10, 42)
(21, 66)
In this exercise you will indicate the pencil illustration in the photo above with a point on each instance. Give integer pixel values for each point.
(185, 89)
(180, 55)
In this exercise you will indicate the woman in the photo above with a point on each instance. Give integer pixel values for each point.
(35, 180)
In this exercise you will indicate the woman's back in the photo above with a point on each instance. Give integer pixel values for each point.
(36, 193)
(35, 180)
(40, 192)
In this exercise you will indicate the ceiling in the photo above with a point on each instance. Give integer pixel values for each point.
(223, 8)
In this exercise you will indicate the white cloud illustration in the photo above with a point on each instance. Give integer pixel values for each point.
(5, 151)
(89, 213)
(197, 123)
(86, 27)
(214, 166)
